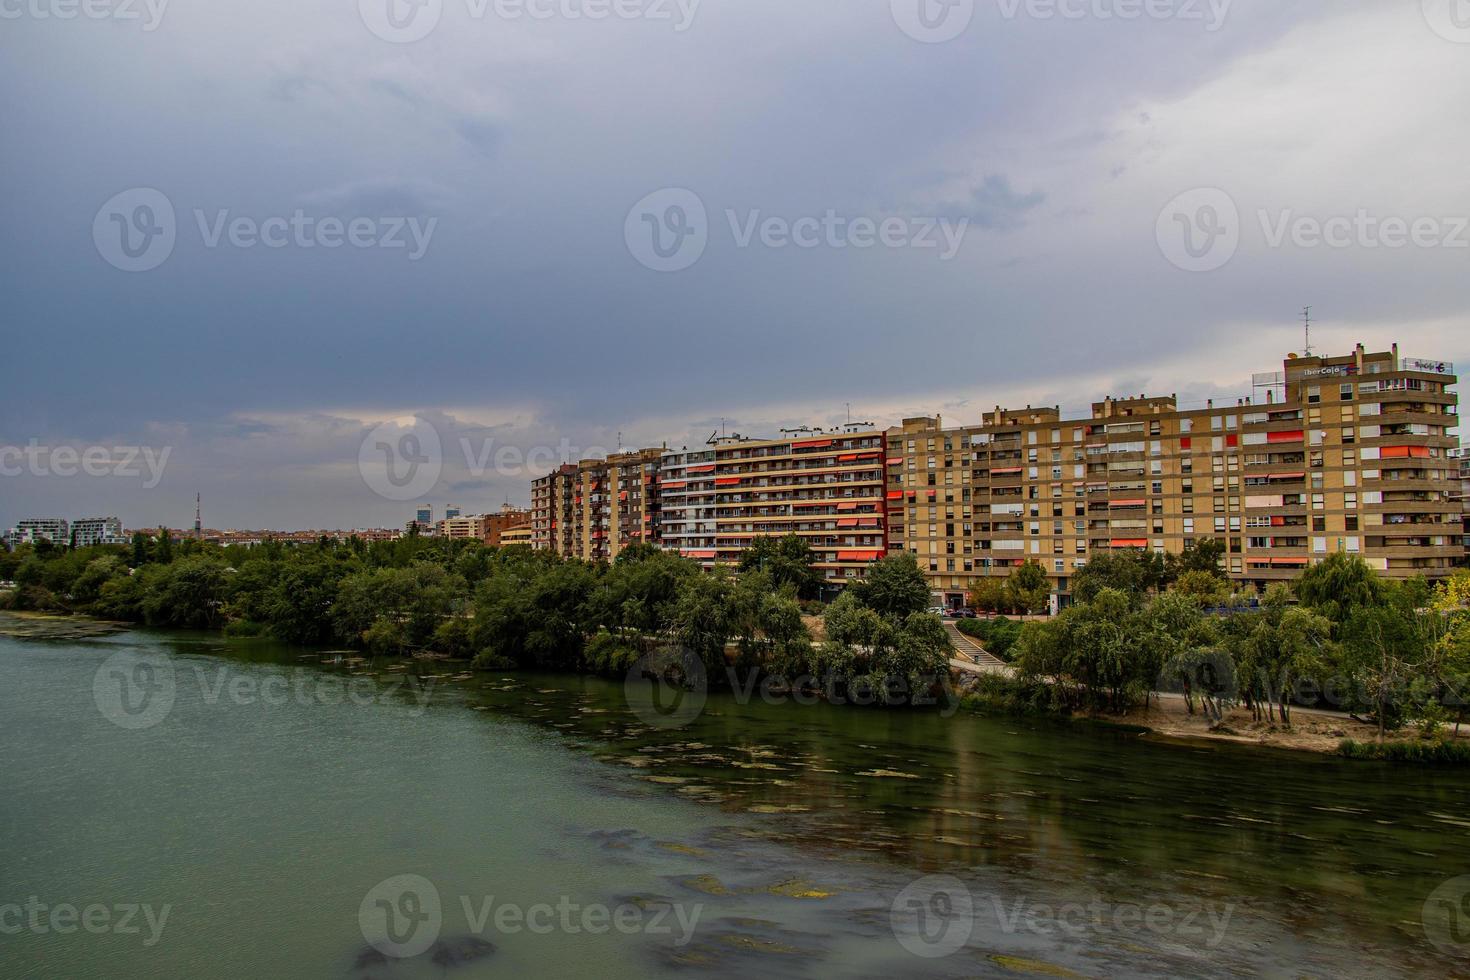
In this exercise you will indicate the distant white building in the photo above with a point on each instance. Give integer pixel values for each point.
(97, 530)
(33, 529)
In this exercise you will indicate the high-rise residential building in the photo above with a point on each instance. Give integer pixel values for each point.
(33, 529)
(551, 510)
(1462, 458)
(424, 516)
(451, 512)
(1345, 453)
(825, 487)
(1350, 453)
(87, 531)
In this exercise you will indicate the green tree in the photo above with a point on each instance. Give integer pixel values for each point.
(894, 587)
(1028, 590)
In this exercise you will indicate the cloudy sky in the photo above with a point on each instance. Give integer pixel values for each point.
(570, 232)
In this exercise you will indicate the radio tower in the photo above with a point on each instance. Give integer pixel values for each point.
(198, 530)
(1307, 328)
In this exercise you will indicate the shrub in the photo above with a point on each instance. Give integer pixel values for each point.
(610, 655)
(1440, 753)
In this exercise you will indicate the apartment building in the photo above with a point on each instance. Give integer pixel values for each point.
(521, 534)
(1462, 458)
(87, 531)
(711, 503)
(551, 510)
(32, 529)
(826, 487)
(1345, 453)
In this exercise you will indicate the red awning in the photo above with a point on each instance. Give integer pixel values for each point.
(1006, 471)
(675, 484)
(812, 444)
(1287, 476)
(727, 481)
(1131, 502)
(895, 495)
(847, 506)
(698, 554)
(1129, 543)
(707, 468)
(847, 458)
(848, 522)
(895, 461)
(859, 555)
(1296, 435)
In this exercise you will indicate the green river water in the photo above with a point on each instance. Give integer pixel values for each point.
(265, 814)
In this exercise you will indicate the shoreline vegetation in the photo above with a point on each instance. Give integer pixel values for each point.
(1341, 660)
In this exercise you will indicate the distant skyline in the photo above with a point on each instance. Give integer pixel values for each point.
(1084, 165)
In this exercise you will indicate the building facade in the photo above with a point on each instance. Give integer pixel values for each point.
(53, 529)
(1346, 453)
(87, 531)
(1354, 453)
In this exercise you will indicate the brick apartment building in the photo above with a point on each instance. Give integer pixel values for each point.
(1352, 453)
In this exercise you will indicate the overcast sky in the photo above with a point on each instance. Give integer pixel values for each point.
(1015, 200)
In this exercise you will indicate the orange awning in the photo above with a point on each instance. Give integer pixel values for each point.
(859, 555)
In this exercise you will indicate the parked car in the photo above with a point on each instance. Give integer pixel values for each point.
(964, 614)
(939, 610)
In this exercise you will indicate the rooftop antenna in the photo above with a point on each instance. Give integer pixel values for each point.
(198, 530)
(849, 412)
(620, 440)
(1307, 329)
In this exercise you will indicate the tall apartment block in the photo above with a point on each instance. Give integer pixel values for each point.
(1346, 453)
(551, 510)
(826, 487)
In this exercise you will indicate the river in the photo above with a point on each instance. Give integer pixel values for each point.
(180, 805)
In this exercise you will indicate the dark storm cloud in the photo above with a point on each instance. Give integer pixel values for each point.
(1059, 140)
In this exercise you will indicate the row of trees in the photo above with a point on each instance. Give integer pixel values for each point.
(1339, 636)
(502, 608)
